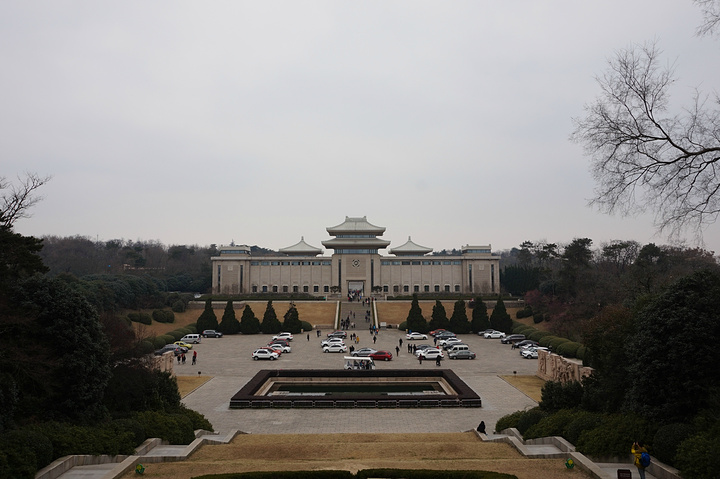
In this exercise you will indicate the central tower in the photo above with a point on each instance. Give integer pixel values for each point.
(355, 259)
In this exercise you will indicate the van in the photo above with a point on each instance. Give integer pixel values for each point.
(458, 347)
(191, 338)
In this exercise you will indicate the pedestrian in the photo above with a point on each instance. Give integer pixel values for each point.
(420, 359)
(481, 427)
(400, 342)
(194, 360)
(318, 333)
(409, 348)
(374, 339)
(308, 336)
(437, 361)
(637, 450)
(397, 350)
(183, 358)
(179, 358)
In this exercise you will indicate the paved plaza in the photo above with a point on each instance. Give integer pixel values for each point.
(228, 360)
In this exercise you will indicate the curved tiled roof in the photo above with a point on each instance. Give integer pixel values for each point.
(410, 248)
(301, 248)
(355, 225)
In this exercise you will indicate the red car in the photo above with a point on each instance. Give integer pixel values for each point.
(436, 331)
(381, 355)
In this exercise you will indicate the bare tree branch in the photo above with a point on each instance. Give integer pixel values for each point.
(642, 157)
(711, 17)
(18, 199)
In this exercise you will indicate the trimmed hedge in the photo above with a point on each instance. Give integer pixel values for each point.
(552, 425)
(142, 318)
(614, 435)
(568, 349)
(363, 474)
(508, 421)
(538, 335)
(163, 316)
(306, 326)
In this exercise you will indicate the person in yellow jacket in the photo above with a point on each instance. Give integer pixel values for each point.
(637, 450)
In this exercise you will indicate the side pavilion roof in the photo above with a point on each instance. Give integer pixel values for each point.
(301, 248)
(410, 248)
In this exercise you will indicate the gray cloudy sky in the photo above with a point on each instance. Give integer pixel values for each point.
(264, 121)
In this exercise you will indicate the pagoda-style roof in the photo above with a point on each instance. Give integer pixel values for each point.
(355, 226)
(301, 248)
(410, 248)
(356, 243)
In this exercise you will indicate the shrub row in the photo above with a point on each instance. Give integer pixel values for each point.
(363, 474)
(25, 451)
(143, 318)
(163, 316)
(562, 346)
(172, 336)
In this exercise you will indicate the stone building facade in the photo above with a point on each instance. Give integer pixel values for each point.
(356, 265)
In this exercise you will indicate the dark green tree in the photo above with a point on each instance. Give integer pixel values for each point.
(459, 321)
(270, 323)
(249, 324)
(672, 371)
(500, 320)
(480, 320)
(207, 319)
(415, 319)
(439, 319)
(291, 321)
(229, 323)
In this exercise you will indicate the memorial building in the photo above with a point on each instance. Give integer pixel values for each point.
(356, 265)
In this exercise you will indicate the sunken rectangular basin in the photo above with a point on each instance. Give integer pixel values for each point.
(319, 388)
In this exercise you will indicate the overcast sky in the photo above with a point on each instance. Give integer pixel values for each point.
(263, 121)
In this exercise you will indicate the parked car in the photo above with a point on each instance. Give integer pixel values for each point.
(430, 353)
(283, 348)
(415, 335)
(211, 333)
(284, 335)
(513, 338)
(183, 344)
(482, 333)
(264, 353)
(363, 352)
(381, 355)
(178, 350)
(531, 353)
(494, 335)
(445, 335)
(326, 342)
(435, 332)
(522, 344)
(462, 354)
(337, 334)
(334, 348)
(445, 343)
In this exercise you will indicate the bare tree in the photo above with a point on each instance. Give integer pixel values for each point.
(18, 199)
(644, 157)
(711, 16)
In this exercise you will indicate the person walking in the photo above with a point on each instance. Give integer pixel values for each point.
(637, 450)
(420, 358)
(374, 339)
(400, 342)
(194, 358)
(183, 358)
(437, 361)
(397, 350)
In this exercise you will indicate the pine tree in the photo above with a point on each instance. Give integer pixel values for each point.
(439, 319)
(270, 323)
(291, 321)
(229, 323)
(500, 320)
(249, 324)
(415, 319)
(480, 321)
(207, 319)
(459, 321)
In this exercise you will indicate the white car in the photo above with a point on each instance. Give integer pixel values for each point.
(446, 343)
(280, 347)
(329, 341)
(494, 335)
(531, 353)
(430, 353)
(335, 348)
(265, 354)
(287, 336)
(415, 335)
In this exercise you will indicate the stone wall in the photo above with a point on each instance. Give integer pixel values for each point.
(552, 367)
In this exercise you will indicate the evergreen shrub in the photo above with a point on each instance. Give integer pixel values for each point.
(174, 428)
(538, 335)
(176, 334)
(582, 421)
(306, 326)
(178, 306)
(697, 455)
(529, 419)
(508, 421)
(568, 349)
(557, 396)
(158, 342)
(146, 346)
(556, 342)
(614, 436)
(552, 425)
(667, 440)
(168, 338)
(142, 318)
(526, 312)
(538, 318)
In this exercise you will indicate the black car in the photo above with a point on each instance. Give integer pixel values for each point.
(444, 335)
(513, 338)
(337, 334)
(178, 350)
(526, 342)
(211, 333)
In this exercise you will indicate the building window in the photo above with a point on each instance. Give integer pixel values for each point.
(416, 288)
(406, 288)
(406, 263)
(457, 288)
(416, 263)
(254, 289)
(295, 289)
(264, 263)
(264, 289)
(316, 289)
(326, 289)
(427, 288)
(396, 289)
(285, 289)
(436, 263)
(254, 263)
(447, 288)
(426, 263)
(305, 289)
(437, 288)
(386, 289)
(275, 290)
(447, 262)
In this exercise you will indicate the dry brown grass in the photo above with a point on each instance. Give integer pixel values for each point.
(187, 384)
(531, 386)
(353, 452)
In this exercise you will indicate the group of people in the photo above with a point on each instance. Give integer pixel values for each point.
(181, 358)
